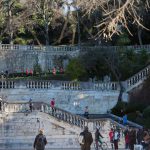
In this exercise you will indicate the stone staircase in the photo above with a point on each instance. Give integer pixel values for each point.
(137, 79)
(18, 127)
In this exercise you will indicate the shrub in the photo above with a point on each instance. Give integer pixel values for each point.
(146, 112)
(117, 109)
(37, 69)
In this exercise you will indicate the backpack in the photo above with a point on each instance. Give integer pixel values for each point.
(81, 139)
(40, 143)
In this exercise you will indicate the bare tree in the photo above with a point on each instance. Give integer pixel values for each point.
(116, 14)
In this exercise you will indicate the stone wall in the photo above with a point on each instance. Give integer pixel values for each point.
(20, 61)
(70, 100)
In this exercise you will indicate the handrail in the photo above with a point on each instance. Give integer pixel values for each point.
(64, 115)
(130, 123)
(136, 78)
(68, 47)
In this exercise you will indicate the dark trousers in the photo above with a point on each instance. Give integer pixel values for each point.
(116, 144)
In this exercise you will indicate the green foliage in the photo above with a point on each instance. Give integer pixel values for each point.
(143, 57)
(123, 39)
(37, 69)
(120, 106)
(134, 107)
(146, 112)
(20, 41)
(75, 69)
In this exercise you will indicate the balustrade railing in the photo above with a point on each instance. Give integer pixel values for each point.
(140, 76)
(59, 114)
(71, 86)
(106, 86)
(6, 84)
(35, 47)
(137, 48)
(39, 84)
(69, 48)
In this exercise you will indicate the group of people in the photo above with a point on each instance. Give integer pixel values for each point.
(133, 137)
(140, 137)
(52, 105)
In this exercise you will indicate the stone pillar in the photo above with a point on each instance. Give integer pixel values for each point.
(91, 126)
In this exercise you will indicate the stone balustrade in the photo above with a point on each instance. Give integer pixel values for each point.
(7, 84)
(69, 48)
(137, 48)
(140, 76)
(60, 115)
(39, 84)
(71, 86)
(34, 47)
(106, 86)
(16, 107)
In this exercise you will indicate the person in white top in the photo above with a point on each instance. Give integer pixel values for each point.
(116, 139)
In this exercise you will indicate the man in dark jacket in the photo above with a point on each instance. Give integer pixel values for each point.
(87, 139)
(40, 141)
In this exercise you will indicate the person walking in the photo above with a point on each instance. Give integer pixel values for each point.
(116, 139)
(30, 105)
(111, 137)
(126, 135)
(52, 104)
(88, 139)
(1, 104)
(139, 136)
(86, 112)
(124, 118)
(98, 137)
(40, 141)
(132, 138)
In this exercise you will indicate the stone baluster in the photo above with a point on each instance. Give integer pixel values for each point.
(47, 84)
(44, 85)
(46, 108)
(27, 84)
(5, 84)
(8, 85)
(67, 86)
(32, 84)
(37, 84)
(42, 108)
(64, 86)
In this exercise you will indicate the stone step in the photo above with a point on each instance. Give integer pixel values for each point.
(19, 131)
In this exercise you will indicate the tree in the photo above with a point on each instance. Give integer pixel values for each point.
(12, 16)
(116, 14)
(44, 13)
(75, 69)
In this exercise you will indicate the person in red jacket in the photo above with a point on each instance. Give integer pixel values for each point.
(52, 104)
(111, 137)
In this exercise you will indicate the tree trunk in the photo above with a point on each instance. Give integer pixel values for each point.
(73, 35)
(47, 33)
(140, 36)
(10, 25)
